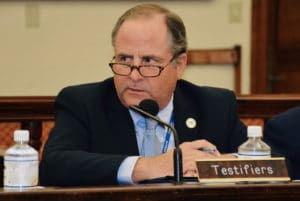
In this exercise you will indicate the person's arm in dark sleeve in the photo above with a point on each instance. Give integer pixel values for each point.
(67, 160)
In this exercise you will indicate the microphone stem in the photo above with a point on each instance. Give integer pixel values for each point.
(177, 158)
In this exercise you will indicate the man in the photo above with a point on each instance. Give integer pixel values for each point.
(283, 133)
(96, 138)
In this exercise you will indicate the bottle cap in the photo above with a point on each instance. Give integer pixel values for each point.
(254, 131)
(21, 135)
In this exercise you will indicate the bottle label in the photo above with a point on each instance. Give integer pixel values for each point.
(254, 155)
(20, 172)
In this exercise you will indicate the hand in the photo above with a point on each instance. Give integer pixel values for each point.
(153, 167)
(191, 152)
(162, 165)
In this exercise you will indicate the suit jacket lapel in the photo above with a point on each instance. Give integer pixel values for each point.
(121, 125)
(185, 118)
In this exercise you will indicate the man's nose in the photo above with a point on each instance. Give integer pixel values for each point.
(135, 74)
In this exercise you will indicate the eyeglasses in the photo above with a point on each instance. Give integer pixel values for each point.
(144, 70)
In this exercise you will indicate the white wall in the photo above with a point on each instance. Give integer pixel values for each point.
(69, 42)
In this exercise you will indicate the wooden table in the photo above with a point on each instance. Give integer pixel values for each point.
(167, 192)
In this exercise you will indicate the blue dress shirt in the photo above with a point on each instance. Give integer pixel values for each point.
(127, 166)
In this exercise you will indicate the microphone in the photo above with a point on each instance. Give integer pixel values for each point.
(149, 108)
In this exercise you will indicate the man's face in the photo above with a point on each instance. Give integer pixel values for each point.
(146, 41)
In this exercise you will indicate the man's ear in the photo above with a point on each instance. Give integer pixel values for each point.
(181, 62)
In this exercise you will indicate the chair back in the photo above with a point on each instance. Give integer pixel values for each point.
(219, 56)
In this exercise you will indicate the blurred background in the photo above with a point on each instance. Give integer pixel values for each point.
(47, 45)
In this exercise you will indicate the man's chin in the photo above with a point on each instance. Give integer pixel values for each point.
(132, 98)
(134, 101)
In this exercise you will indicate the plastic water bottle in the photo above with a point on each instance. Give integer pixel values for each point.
(254, 147)
(20, 163)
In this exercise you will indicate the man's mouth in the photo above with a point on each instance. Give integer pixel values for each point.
(136, 90)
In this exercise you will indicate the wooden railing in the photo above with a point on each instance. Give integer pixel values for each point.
(266, 105)
(31, 111)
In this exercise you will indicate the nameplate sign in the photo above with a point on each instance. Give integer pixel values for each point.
(242, 170)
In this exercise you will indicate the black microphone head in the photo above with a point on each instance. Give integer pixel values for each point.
(150, 106)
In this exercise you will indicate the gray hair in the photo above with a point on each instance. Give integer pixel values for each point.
(174, 24)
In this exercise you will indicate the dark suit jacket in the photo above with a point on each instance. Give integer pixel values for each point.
(283, 133)
(94, 132)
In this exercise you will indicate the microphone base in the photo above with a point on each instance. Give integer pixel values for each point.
(170, 179)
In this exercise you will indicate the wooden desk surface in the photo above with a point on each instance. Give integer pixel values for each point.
(186, 192)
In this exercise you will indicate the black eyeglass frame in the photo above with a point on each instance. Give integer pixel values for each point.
(132, 67)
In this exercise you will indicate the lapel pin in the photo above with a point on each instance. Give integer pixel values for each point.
(190, 122)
